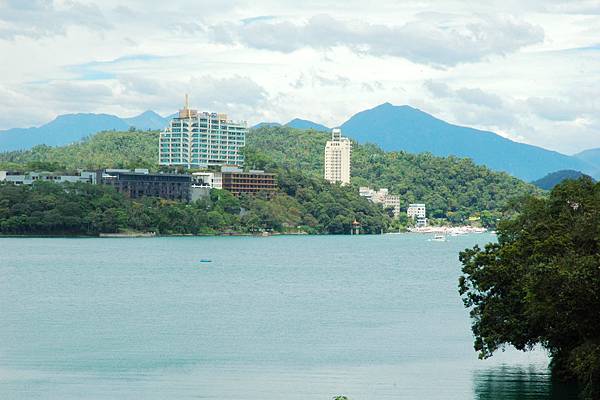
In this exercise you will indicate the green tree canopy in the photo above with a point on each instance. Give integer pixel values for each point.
(452, 188)
(540, 283)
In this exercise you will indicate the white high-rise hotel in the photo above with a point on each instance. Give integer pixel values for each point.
(337, 158)
(198, 139)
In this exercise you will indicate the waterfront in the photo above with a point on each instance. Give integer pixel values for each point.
(299, 317)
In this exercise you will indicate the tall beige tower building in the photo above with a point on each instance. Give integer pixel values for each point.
(337, 158)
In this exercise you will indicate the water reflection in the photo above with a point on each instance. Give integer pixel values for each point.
(519, 383)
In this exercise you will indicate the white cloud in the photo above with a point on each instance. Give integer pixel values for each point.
(525, 68)
(436, 39)
(42, 18)
(473, 96)
(554, 109)
(207, 92)
(576, 7)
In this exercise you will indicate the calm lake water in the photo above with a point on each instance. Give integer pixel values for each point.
(370, 317)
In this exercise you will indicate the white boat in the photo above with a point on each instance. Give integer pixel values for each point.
(439, 238)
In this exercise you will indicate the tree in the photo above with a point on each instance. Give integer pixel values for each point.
(540, 283)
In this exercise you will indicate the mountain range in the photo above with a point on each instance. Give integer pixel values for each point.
(412, 130)
(70, 128)
(391, 127)
(591, 156)
(296, 123)
(306, 124)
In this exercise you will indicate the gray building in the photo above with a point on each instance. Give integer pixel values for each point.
(140, 183)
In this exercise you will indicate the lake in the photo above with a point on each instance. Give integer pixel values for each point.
(284, 317)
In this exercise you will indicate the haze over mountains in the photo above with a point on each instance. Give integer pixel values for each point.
(591, 156)
(391, 127)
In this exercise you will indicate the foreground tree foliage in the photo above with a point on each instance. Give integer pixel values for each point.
(540, 284)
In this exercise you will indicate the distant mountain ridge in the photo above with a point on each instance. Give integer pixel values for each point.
(297, 123)
(412, 130)
(148, 120)
(391, 127)
(306, 124)
(265, 124)
(591, 156)
(69, 128)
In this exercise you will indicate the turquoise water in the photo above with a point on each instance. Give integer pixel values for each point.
(294, 317)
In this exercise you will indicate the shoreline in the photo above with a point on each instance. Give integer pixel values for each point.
(453, 231)
(448, 230)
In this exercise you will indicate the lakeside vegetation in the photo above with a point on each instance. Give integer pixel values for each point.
(540, 283)
(454, 189)
(303, 205)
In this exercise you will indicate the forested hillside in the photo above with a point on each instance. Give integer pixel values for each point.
(452, 188)
(102, 150)
(554, 178)
(304, 203)
(302, 206)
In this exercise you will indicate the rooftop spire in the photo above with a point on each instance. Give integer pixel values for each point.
(186, 112)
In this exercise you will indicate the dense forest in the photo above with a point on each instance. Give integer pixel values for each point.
(540, 283)
(133, 149)
(303, 205)
(453, 189)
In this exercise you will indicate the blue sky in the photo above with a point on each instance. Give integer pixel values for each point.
(527, 69)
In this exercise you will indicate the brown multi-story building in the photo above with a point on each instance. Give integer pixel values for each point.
(254, 181)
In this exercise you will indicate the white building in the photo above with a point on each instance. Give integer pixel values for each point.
(417, 212)
(338, 151)
(28, 178)
(213, 180)
(383, 197)
(365, 191)
(198, 139)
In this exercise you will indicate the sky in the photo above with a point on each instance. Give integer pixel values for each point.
(528, 69)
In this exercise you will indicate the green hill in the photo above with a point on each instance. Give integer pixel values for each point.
(554, 178)
(102, 150)
(451, 187)
(304, 203)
